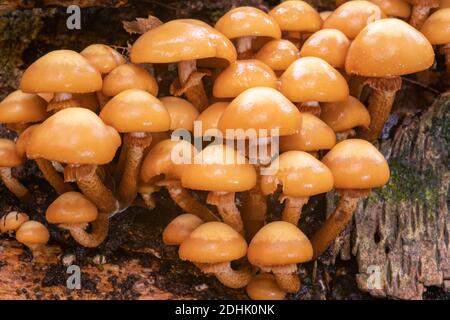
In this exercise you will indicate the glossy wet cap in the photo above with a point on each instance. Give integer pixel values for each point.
(71, 207)
(345, 115)
(394, 8)
(20, 107)
(296, 16)
(437, 27)
(12, 221)
(180, 228)
(23, 140)
(209, 118)
(32, 232)
(9, 158)
(278, 54)
(264, 287)
(182, 113)
(102, 57)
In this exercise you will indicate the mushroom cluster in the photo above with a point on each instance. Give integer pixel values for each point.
(283, 117)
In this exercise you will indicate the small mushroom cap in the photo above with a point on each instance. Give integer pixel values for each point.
(261, 109)
(102, 57)
(330, 45)
(21, 107)
(213, 242)
(23, 140)
(278, 54)
(300, 174)
(242, 75)
(353, 16)
(136, 110)
(210, 117)
(183, 39)
(74, 135)
(279, 243)
(248, 21)
(389, 47)
(182, 113)
(12, 221)
(9, 157)
(61, 71)
(357, 164)
(345, 115)
(71, 207)
(180, 228)
(313, 79)
(129, 76)
(219, 168)
(296, 16)
(437, 27)
(325, 14)
(264, 287)
(32, 232)
(314, 135)
(394, 8)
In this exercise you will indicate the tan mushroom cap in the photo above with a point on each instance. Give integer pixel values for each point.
(437, 27)
(12, 221)
(278, 54)
(300, 174)
(61, 71)
(210, 117)
(248, 21)
(330, 45)
(76, 136)
(102, 57)
(21, 107)
(261, 108)
(357, 164)
(314, 135)
(180, 228)
(213, 242)
(325, 14)
(32, 232)
(129, 76)
(242, 75)
(444, 4)
(279, 243)
(182, 113)
(71, 207)
(219, 168)
(296, 16)
(9, 157)
(394, 8)
(23, 140)
(136, 110)
(389, 47)
(313, 79)
(264, 287)
(183, 39)
(345, 115)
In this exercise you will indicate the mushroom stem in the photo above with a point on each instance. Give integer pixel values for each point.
(286, 277)
(244, 48)
(337, 221)
(39, 251)
(344, 135)
(446, 51)
(195, 94)
(13, 185)
(254, 211)
(100, 228)
(312, 107)
(224, 201)
(295, 37)
(420, 11)
(356, 85)
(226, 275)
(53, 178)
(292, 208)
(62, 100)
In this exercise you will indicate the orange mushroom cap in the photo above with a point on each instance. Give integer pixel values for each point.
(296, 16)
(8, 154)
(325, 14)
(437, 27)
(210, 117)
(345, 115)
(32, 233)
(444, 4)
(102, 57)
(179, 229)
(182, 113)
(71, 207)
(394, 8)
(21, 107)
(12, 221)
(23, 141)
(278, 54)
(264, 287)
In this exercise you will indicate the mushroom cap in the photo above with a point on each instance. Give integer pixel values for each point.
(314, 135)
(71, 207)
(330, 45)
(180, 228)
(182, 113)
(12, 221)
(325, 14)
(313, 79)
(219, 168)
(210, 117)
(300, 174)
(357, 164)
(242, 75)
(260, 109)
(437, 27)
(389, 47)
(345, 115)
(179, 40)
(394, 8)
(129, 76)
(264, 287)
(213, 242)
(76, 136)
(248, 21)
(296, 16)
(161, 159)
(136, 110)
(9, 157)
(32, 232)
(21, 107)
(352, 16)
(102, 57)
(61, 71)
(23, 141)
(278, 54)
(279, 243)
(444, 4)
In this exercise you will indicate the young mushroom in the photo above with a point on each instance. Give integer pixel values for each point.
(180, 228)
(10, 159)
(11, 221)
(182, 113)
(264, 287)
(421, 9)
(278, 55)
(209, 119)
(394, 8)
(35, 236)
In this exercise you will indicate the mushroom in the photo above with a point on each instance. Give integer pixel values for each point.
(357, 167)
(137, 114)
(302, 176)
(182, 113)
(62, 72)
(34, 235)
(179, 229)
(211, 247)
(80, 139)
(11, 221)
(420, 11)
(243, 24)
(277, 248)
(444, 4)
(325, 14)
(394, 8)
(264, 287)
(209, 119)
(102, 57)
(73, 211)
(278, 55)
(409, 52)
(10, 159)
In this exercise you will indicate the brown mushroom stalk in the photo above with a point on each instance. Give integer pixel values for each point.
(311, 107)
(53, 178)
(295, 37)
(292, 208)
(62, 101)
(244, 47)
(196, 93)
(286, 277)
(224, 201)
(420, 11)
(254, 211)
(13, 185)
(100, 228)
(226, 275)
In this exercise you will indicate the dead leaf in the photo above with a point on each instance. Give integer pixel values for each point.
(141, 25)
(194, 79)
